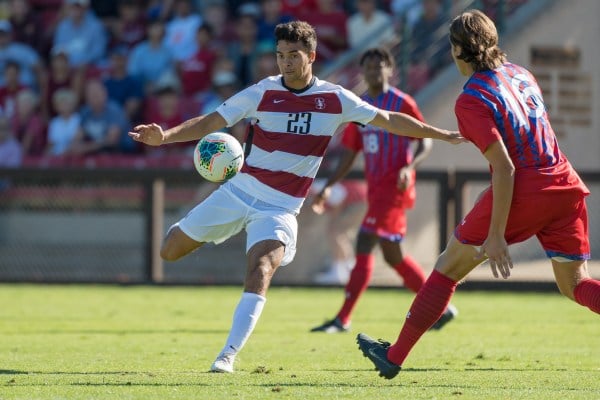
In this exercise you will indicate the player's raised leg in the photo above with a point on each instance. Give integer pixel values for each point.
(177, 244)
(433, 298)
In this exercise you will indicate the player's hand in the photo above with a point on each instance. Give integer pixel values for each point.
(496, 250)
(318, 203)
(151, 134)
(455, 137)
(405, 176)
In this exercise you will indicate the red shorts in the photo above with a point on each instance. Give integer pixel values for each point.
(388, 221)
(557, 218)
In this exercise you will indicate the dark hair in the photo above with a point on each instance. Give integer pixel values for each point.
(297, 31)
(10, 63)
(379, 52)
(477, 37)
(204, 27)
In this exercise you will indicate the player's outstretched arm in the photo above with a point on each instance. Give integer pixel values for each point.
(192, 129)
(405, 125)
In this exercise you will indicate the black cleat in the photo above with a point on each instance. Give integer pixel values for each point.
(376, 351)
(448, 315)
(333, 326)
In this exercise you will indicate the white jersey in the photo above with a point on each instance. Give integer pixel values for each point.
(291, 132)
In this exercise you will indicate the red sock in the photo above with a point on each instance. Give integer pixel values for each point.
(411, 273)
(587, 293)
(427, 307)
(357, 284)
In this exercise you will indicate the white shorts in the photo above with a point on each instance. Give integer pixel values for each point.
(228, 210)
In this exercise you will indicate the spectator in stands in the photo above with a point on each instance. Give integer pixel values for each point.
(242, 50)
(224, 85)
(159, 10)
(430, 37)
(12, 86)
(81, 35)
(296, 8)
(65, 128)
(129, 28)
(165, 108)
(181, 30)
(27, 26)
(196, 71)
(105, 10)
(153, 48)
(123, 88)
(30, 65)
(28, 124)
(265, 62)
(406, 13)
(216, 15)
(329, 21)
(60, 75)
(271, 15)
(11, 154)
(367, 22)
(103, 121)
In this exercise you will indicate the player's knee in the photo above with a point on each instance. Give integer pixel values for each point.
(169, 253)
(262, 270)
(392, 260)
(177, 244)
(166, 256)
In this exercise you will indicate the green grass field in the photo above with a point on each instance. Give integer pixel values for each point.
(109, 342)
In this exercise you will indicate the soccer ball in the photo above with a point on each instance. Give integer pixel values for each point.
(218, 156)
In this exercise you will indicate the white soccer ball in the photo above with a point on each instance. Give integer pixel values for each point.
(218, 156)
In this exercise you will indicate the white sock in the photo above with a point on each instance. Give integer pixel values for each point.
(245, 317)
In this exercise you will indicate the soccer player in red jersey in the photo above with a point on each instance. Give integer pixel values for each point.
(293, 116)
(390, 163)
(534, 190)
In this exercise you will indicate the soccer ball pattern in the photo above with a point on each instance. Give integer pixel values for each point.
(218, 156)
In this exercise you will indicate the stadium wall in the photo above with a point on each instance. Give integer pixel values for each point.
(569, 26)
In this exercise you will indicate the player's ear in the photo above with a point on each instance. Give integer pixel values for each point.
(312, 55)
(456, 50)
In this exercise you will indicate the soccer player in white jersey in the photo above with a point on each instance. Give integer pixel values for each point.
(293, 117)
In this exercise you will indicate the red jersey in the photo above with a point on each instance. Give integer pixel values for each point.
(385, 153)
(8, 100)
(196, 72)
(506, 104)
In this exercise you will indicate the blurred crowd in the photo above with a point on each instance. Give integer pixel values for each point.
(76, 75)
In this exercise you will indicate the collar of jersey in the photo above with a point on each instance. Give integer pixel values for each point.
(297, 91)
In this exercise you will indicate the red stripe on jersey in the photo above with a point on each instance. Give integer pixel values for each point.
(303, 145)
(287, 102)
(291, 184)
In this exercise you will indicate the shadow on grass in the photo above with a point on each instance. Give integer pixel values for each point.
(12, 372)
(17, 372)
(124, 332)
